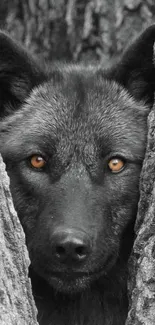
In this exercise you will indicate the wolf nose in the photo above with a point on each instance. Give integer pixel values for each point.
(70, 246)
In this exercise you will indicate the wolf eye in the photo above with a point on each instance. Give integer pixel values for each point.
(37, 161)
(116, 164)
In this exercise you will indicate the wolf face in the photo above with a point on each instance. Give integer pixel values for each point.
(73, 141)
(75, 198)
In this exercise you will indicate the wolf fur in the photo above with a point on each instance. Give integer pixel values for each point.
(77, 118)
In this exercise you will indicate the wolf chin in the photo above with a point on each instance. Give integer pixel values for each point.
(73, 139)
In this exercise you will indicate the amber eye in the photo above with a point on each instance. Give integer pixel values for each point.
(116, 164)
(37, 161)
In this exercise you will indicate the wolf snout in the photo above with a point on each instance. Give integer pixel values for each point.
(70, 246)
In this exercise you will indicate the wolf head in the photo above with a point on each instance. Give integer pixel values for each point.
(73, 140)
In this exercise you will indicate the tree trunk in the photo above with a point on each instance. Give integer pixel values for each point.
(88, 30)
(16, 301)
(142, 263)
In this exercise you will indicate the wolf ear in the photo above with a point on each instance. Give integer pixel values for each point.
(19, 73)
(136, 69)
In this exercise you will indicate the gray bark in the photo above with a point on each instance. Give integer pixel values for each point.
(16, 301)
(87, 30)
(142, 263)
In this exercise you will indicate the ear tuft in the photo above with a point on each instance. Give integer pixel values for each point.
(136, 69)
(19, 73)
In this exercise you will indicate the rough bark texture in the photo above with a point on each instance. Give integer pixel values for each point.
(87, 30)
(142, 264)
(16, 301)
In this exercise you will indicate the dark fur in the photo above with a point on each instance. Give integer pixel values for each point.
(78, 117)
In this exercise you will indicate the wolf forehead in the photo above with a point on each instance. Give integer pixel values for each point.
(78, 102)
(75, 94)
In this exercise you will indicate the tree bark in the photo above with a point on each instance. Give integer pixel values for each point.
(142, 263)
(78, 30)
(16, 301)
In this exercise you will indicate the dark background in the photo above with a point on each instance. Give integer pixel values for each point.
(87, 30)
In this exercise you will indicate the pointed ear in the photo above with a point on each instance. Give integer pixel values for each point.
(136, 69)
(19, 73)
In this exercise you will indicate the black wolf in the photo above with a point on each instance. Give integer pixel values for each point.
(73, 139)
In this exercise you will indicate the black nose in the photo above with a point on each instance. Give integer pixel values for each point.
(70, 246)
